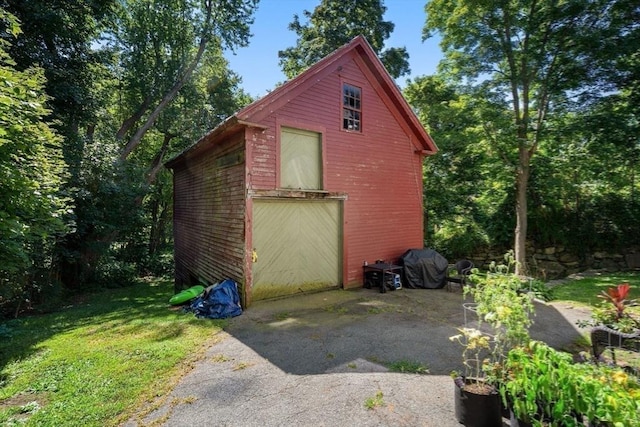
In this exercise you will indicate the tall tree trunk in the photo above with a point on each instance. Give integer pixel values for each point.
(128, 123)
(522, 182)
(160, 218)
(156, 164)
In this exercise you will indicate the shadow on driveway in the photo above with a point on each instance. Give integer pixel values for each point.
(336, 330)
(320, 360)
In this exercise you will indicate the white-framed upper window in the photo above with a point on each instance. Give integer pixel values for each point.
(351, 108)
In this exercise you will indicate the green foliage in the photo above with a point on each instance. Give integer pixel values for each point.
(106, 209)
(501, 303)
(334, 23)
(583, 186)
(525, 63)
(584, 189)
(476, 344)
(114, 273)
(375, 401)
(32, 209)
(158, 41)
(58, 36)
(613, 312)
(458, 218)
(540, 383)
(457, 237)
(501, 306)
(107, 64)
(538, 289)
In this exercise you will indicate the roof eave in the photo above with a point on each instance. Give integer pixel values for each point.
(230, 125)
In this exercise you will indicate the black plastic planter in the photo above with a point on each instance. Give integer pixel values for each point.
(477, 410)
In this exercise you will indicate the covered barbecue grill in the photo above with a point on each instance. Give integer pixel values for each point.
(424, 268)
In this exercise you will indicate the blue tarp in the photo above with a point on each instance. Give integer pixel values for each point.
(218, 301)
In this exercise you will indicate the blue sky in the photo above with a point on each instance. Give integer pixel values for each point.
(257, 64)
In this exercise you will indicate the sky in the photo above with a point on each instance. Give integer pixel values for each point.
(257, 64)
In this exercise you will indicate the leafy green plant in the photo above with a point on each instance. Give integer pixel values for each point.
(33, 212)
(500, 303)
(476, 344)
(538, 289)
(540, 384)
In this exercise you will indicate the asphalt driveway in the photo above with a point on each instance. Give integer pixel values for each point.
(320, 360)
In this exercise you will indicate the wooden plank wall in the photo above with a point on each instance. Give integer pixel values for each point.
(209, 212)
(378, 168)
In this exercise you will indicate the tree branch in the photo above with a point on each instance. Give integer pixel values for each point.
(173, 92)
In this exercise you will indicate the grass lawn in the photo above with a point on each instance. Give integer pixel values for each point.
(96, 362)
(586, 290)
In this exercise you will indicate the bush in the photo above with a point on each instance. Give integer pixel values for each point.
(114, 273)
(456, 240)
(39, 291)
(159, 264)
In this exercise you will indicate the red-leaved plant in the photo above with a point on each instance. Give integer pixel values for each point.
(612, 312)
(618, 297)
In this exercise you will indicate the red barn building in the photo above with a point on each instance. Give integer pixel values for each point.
(293, 192)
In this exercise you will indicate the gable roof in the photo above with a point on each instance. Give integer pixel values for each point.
(357, 49)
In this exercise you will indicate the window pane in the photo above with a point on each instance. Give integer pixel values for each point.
(352, 106)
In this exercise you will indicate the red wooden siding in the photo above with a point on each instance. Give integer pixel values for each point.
(378, 169)
(375, 173)
(209, 214)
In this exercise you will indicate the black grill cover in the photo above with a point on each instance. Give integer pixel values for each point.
(424, 268)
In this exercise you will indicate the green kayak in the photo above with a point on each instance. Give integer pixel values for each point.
(186, 295)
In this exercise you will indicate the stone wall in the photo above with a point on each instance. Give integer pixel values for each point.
(556, 262)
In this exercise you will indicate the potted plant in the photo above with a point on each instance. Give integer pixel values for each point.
(536, 386)
(545, 387)
(612, 325)
(476, 400)
(607, 395)
(505, 313)
(501, 306)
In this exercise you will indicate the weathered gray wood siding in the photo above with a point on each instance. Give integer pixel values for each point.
(209, 211)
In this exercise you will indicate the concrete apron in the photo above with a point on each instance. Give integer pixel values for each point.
(319, 359)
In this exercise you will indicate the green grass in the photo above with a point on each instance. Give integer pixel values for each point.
(95, 363)
(586, 290)
(407, 367)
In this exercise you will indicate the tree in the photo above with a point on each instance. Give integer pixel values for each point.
(173, 85)
(334, 23)
(460, 219)
(59, 36)
(173, 36)
(31, 173)
(528, 58)
(127, 85)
